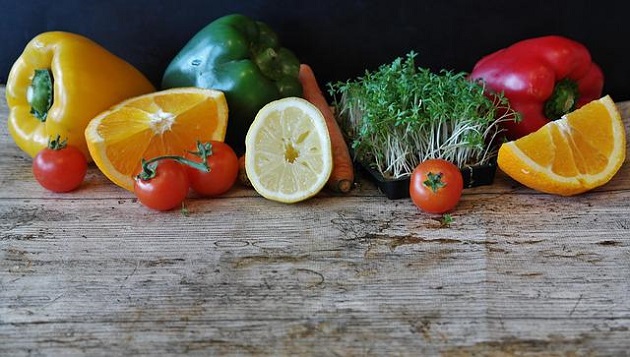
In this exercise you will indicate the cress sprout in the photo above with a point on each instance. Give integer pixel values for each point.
(400, 115)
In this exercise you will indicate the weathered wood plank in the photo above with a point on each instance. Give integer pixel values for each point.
(380, 261)
(517, 272)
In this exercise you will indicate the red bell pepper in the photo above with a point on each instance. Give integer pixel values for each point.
(543, 78)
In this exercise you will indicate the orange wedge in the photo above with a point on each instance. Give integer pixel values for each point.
(578, 152)
(168, 122)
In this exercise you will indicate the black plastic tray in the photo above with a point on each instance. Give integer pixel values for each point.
(399, 188)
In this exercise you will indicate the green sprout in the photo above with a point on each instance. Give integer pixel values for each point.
(400, 115)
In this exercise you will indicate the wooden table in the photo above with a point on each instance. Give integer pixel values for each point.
(517, 273)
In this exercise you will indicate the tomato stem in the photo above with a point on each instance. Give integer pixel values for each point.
(434, 181)
(149, 167)
(203, 150)
(446, 220)
(57, 143)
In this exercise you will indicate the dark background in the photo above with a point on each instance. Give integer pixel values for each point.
(340, 39)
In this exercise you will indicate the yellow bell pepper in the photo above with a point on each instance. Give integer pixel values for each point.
(59, 83)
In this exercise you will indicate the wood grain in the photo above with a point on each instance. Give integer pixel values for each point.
(518, 273)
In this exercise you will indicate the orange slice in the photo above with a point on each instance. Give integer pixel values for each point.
(168, 122)
(578, 152)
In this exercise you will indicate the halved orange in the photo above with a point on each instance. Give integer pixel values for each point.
(167, 122)
(578, 152)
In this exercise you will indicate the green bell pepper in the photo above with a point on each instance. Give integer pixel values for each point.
(244, 59)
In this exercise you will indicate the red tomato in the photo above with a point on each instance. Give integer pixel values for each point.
(60, 170)
(223, 164)
(436, 186)
(166, 190)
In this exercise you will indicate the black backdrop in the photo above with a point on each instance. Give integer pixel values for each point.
(340, 39)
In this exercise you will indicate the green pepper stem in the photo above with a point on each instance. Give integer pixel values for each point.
(149, 167)
(40, 93)
(563, 100)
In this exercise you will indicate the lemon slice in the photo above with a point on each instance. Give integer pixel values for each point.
(288, 151)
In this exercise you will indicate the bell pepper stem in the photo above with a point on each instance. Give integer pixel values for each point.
(563, 99)
(149, 167)
(40, 93)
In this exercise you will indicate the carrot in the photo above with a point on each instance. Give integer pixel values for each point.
(242, 174)
(342, 176)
